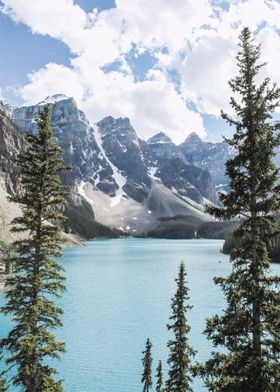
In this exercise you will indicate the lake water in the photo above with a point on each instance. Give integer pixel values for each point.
(119, 294)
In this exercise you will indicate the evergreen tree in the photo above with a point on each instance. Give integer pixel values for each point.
(3, 387)
(180, 352)
(249, 328)
(36, 275)
(147, 367)
(3, 384)
(159, 386)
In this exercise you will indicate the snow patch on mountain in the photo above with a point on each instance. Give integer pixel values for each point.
(54, 98)
(82, 191)
(152, 173)
(119, 178)
(123, 148)
(139, 216)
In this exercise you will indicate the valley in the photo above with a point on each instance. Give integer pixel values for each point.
(128, 183)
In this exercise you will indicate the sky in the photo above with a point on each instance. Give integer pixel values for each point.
(164, 64)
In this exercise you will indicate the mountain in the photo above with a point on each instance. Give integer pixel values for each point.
(80, 218)
(120, 146)
(208, 156)
(167, 163)
(130, 183)
(75, 136)
(11, 141)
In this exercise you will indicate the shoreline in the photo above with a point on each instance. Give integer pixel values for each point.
(73, 241)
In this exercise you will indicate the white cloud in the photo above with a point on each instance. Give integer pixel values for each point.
(161, 22)
(152, 105)
(206, 71)
(50, 80)
(250, 13)
(270, 41)
(60, 19)
(199, 42)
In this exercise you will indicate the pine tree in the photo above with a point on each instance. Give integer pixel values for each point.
(249, 328)
(3, 384)
(159, 386)
(147, 367)
(180, 352)
(36, 275)
(3, 387)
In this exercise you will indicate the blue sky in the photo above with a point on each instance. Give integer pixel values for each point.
(163, 64)
(24, 52)
(88, 5)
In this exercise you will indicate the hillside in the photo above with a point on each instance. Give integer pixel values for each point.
(79, 215)
(129, 183)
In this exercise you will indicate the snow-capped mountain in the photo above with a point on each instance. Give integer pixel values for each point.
(121, 147)
(76, 138)
(208, 156)
(167, 163)
(130, 183)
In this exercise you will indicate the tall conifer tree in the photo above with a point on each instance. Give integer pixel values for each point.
(159, 386)
(3, 385)
(180, 351)
(36, 275)
(147, 361)
(249, 328)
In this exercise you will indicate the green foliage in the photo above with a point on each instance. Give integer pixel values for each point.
(37, 276)
(188, 227)
(232, 242)
(173, 230)
(274, 249)
(147, 367)
(180, 352)
(273, 246)
(249, 328)
(216, 230)
(180, 227)
(159, 386)
(3, 384)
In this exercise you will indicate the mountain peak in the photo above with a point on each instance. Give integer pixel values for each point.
(112, 122)
(117, 128)
(160, 138)
(193, 138)
(54, 98)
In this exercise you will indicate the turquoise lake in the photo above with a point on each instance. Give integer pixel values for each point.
(118, 294)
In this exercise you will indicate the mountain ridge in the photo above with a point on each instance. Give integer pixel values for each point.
(121, 171)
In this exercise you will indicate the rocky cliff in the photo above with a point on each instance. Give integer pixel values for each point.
(208, 156)
(80, 217)
(130, 183)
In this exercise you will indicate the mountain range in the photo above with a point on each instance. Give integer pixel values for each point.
(128, 183)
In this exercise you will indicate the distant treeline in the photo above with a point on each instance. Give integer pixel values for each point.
(273, 246)
(187, 227)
